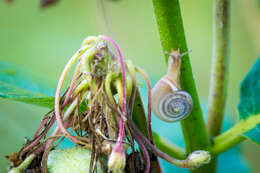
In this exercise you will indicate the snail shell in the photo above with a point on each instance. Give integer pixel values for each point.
(169, 102)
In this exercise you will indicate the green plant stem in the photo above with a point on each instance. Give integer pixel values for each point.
(218, 85)
(233, 136)
(169, 20)
(218, 148)
(23, 165)
(239, 128)
(217, 96)
(168, 147)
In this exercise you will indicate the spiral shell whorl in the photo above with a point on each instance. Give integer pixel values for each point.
(175, 106)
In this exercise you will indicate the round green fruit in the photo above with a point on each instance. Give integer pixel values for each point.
(70, 160)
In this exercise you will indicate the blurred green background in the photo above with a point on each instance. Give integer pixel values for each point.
(41, 41)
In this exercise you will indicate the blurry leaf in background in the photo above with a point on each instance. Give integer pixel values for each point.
(249, 105)
(16, 84)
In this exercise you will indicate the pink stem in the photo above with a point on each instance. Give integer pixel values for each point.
(40, 127)
(57, 107)
(121, 128)
(149, 124)
(64, 130)
(75, 77)
(35, 142)
(145, 152)
(49, 144)
(148, 83)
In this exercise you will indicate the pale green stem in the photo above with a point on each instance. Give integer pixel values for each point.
(84, 84)
(239, 128)
(119, 88)
(131, 70)
(217, 96)
(218, 85)
(70, 109)
(108, 90)
(167, 147)
(234, 136)
(23, 165)
(220, 147)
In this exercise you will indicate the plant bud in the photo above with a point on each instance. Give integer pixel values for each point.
(117, 159)
(198, 158)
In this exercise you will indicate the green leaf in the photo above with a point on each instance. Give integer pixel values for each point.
(18, 85)
(139, 117)
(249, 106)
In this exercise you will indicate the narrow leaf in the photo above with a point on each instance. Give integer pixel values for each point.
(16, 84)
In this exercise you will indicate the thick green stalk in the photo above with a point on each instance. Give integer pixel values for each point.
(169, 20)
(217, 97)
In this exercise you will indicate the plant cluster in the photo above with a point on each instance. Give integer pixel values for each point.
(97, 107)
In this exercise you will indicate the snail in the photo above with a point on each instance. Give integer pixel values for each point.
(169, 102)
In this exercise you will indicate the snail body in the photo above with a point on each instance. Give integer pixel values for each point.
(169, 102)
